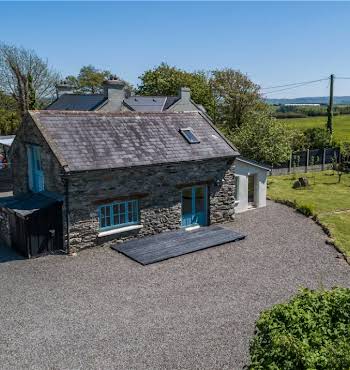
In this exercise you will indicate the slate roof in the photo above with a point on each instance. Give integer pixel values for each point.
(89, 102)
(146, 103)
(150, 103)
(254, 163)
(95, 140)
(7, 140)
(77, 102)
(28, 203)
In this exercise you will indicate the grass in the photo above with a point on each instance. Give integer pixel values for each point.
(341, 125)
(328, 199)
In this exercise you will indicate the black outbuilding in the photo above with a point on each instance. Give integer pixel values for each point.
(35, 222)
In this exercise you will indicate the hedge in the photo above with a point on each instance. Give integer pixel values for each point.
(310, 332)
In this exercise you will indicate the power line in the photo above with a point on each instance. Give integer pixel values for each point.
(288, 88)
(296, 84)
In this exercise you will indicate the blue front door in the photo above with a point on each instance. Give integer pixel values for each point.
(35, 171)
(194, 206)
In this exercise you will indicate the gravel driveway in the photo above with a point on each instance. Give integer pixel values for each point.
(100, 310)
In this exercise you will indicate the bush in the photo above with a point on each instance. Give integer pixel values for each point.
(306, 209)
(262, 138)
(317, 138)
(310, 332)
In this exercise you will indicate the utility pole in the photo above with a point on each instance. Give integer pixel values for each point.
(330, 106)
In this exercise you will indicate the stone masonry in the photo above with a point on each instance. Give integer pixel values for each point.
(158, 189)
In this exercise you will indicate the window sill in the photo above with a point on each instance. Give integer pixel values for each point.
(119, 230)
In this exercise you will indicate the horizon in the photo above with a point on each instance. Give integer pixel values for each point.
(274, 43)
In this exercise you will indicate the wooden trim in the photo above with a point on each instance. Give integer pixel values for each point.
(121, 198)
(190, 184)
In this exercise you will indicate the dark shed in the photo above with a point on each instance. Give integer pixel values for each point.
(35, 221)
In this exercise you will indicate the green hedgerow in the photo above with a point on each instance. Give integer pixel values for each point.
(311, 332)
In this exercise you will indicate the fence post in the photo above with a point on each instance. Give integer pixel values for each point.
(307, 160)
(290, 163)
(324, 159)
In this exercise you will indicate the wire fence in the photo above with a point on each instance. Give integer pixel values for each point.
(308, 160)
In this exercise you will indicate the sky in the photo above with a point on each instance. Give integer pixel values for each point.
(275, 43)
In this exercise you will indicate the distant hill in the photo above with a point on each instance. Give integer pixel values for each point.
(339, 100)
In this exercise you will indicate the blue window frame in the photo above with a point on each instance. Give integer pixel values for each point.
(118, 214)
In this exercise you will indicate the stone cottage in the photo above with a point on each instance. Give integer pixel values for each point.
(110, 177)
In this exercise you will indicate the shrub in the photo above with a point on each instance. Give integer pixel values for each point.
(310, 332)
(317, 138)
(306, 209)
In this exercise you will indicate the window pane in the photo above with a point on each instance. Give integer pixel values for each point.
(199, 199)
(135, 211)
(108, 216)
(122, 207)
(190, 136)
(103, 217)
(116, 214)
(130, 212)
(119, 214)
(187, 201)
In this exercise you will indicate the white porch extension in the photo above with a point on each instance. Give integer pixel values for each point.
(251, 184)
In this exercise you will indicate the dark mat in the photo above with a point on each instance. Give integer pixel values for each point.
(171, 244)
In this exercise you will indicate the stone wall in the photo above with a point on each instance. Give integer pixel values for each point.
(158, 189)
(5, 179)
(4, 228)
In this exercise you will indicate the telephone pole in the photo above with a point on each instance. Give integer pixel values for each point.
(330, 106)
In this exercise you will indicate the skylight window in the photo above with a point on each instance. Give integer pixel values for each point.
(188, 134)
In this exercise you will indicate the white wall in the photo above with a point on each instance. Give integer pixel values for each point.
(242, 171)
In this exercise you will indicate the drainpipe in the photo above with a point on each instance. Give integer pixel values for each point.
(66, 185)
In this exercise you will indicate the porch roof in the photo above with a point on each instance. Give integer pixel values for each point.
(26, 204)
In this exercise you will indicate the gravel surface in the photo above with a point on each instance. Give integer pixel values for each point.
(100, 310)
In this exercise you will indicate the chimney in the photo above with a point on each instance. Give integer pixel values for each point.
(114, 91)
(185, 93)
(64, 87)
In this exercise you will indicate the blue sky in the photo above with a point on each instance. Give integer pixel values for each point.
(273, 42)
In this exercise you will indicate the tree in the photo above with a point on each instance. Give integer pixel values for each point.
(25, 76)
(9, 117)
(236, 96)
(90, 80)
(262, 138)
(167, 80)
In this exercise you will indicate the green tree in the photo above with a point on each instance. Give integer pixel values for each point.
(262, 138)
(236, 97)
(9, 116)
(23, 73)
(166, 80)
(90, 80)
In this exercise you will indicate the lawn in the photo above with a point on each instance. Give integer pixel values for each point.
(329, 200)
(341, 125)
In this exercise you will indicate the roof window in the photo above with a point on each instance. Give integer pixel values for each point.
(188, 134)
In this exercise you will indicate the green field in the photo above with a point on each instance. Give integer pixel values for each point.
(341, 125)
(329, 200)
